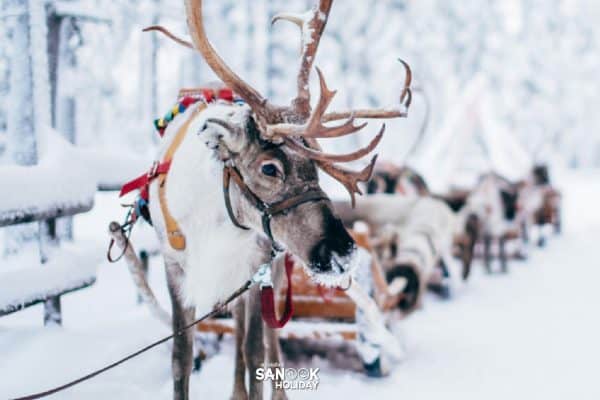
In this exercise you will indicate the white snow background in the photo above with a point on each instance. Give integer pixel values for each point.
(510, 82)
(530, 334)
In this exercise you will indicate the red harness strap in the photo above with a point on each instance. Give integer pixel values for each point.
(142, 181)
(188, 97)
(267, 299)
(326, 293)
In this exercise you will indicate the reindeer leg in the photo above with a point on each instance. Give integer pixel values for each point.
(274, 359)
(444, 287)
(183, 345)
(487, 253)
(239, 376)
(541, 239)
(466, 257)
(502, 254)
(254, 347)
(272, 339)
(525, 232)
(472, 230)
(557, 221)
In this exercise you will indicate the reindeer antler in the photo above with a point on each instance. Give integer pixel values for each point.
(405, 101)
(260, 105)
(312, 24)
(167, 33)
(315, 129)
(297, 125)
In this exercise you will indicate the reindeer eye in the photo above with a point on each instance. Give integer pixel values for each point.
(269, 169)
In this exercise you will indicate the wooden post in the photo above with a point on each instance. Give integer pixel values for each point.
(48, 241)
(145, 259)
(61, 58)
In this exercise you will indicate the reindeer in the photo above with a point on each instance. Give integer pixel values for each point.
(538, 204)
(492, 206)
(412, 237)
(271, 154)
(391, 179)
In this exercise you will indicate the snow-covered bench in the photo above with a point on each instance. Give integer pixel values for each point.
(68, 269)
(42, 193)
(49, 190)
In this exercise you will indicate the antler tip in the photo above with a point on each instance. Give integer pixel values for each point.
(406, 91)
(168, 34)
(293, 18)
(367, 172)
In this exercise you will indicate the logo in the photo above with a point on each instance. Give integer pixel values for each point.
(289, 378)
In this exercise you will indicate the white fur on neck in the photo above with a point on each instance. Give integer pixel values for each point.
(218, 256)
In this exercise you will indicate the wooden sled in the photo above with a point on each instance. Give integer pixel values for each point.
(323, 313)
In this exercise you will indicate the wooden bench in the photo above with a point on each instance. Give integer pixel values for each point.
(68, 270)
(59, 269)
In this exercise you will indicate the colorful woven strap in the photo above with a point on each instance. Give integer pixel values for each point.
(187, 97)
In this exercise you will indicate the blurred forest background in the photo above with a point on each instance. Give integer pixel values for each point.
(528, 68)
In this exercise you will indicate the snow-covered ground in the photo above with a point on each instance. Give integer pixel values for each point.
(531, 334)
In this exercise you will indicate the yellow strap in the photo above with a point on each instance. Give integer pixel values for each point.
(175, 236)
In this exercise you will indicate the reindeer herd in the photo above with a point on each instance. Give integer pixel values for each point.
(236, 186)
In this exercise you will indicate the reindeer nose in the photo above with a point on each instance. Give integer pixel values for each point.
(321, 257)
(331, 253)
(328, 256)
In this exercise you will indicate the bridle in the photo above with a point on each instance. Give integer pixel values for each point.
(267, 210)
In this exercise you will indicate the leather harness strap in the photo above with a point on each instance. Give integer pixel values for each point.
(174, 235)
(267, 210)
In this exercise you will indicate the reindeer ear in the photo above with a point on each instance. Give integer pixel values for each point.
(222, 136)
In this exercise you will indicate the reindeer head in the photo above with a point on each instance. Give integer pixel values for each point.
(272, 152)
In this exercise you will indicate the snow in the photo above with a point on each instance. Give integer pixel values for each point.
(529, 334)
(66, 176)
(112, 167)
(24, 279)
(52, 184)
(82, 11)
(59, 180)
(470, 143)
(498, 90)
(39, 60)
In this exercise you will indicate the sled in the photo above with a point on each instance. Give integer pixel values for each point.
(322, 313)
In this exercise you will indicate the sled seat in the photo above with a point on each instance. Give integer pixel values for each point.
(295, 329)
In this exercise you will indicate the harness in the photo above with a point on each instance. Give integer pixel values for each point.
(268, 211)
(160, 170)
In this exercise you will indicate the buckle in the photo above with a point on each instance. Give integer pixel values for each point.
(153, 170)
(263, 276)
